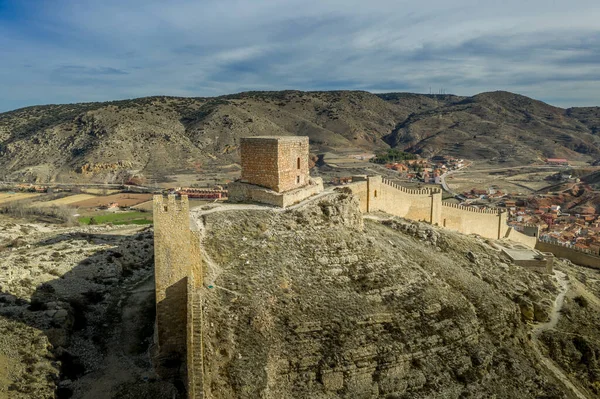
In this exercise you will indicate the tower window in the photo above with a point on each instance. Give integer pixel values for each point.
(375, 194)
(297, 179)
(298, 162)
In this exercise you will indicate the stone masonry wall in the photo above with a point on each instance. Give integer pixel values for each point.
(377, 194)
(175, 261)
(386, 196)
(574, 255)
(278, 163)
(244, 192)
(486, 223)
(293, 163)
(517, 236)
(259, 162)
(360, 189)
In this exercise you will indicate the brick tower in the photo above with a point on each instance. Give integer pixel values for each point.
(279, 163)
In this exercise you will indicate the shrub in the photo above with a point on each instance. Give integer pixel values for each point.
(581, 301)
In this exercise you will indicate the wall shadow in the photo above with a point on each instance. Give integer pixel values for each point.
(102, 309)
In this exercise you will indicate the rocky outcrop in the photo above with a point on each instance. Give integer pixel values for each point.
(61, 294)
(95, 168)
(310, 303)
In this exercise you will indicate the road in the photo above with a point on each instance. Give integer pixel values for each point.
(462, 170)
(445, 185)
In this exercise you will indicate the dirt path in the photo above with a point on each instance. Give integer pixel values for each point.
(198, 211)
(121, 365)
(549, 325)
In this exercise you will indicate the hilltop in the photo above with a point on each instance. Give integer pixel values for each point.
(311, 302)
(158, 136)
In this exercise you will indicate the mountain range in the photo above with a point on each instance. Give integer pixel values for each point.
(158, 136)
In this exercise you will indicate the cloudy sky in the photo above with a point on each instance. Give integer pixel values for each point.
(57, 51)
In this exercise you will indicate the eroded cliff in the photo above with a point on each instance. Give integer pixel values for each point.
(314, 303)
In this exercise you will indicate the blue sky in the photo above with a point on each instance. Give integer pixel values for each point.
(59, 51)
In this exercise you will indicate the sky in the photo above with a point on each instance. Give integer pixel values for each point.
(64, 51)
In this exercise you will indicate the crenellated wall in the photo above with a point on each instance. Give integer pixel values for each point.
(485, 222)
(517, 236)
(386, 196)
(528, 235)
(576, 255)
(378, 194)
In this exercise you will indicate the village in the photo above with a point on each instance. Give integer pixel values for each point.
(546, 210)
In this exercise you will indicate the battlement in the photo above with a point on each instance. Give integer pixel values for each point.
(411, 191)
(475, 210)
(170, 203)
(569, 246)
(580, 256)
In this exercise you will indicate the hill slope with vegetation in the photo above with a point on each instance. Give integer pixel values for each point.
(157, 136)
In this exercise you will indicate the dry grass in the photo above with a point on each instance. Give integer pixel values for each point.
(67, 200)
(9, 197)
(99, 191)
(144, 206)
(4, 376)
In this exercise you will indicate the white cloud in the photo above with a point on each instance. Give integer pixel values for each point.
(69, 50)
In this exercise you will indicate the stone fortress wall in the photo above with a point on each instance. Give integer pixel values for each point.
(275, 171)
(386, 196)
(177, 274)
(576, 255)
(378, 194)
(528, 237)
(485, 222)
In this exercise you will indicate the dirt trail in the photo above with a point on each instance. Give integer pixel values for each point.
(197, 211)
(549, 325)
(119, 366)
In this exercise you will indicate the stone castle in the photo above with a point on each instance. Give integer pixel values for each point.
(275, 172)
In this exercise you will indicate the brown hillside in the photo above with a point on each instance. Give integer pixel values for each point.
(157, 136)
(499, 127)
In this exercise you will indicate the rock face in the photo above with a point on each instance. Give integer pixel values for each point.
(314, 303)
(70, 323)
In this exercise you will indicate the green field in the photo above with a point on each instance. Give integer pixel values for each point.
(118, 218)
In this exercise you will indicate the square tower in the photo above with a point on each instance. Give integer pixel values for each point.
(279, 163)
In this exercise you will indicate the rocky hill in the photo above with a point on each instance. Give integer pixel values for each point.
(313, 302)
(156, 136)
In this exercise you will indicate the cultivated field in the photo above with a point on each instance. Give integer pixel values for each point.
(99, 191)
(123, 199)
(509, 181)
(71, 199)
(8, 197)
(118, 218)
(144, 206)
